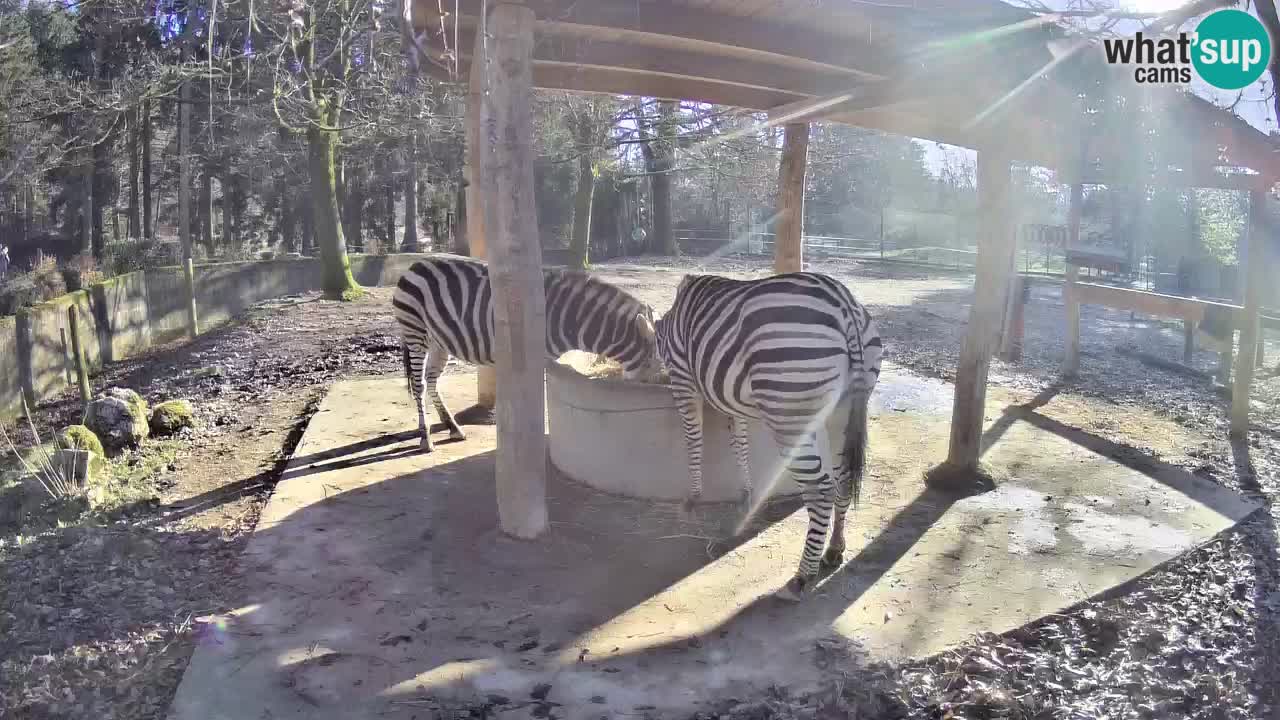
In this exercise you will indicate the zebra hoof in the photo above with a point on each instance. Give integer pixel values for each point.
(832, 558)
(425, 445)
(794, 590)
(456, 434)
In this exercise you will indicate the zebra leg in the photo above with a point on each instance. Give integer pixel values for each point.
(742, 449)
(810, 465)
(843, 496)
(690, 407)
(437, 358)
(416, 365)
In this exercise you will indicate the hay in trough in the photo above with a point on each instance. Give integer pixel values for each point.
(599, 367)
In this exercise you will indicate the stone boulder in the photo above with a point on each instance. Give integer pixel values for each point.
(119, 418)
(172, 416)
(79, 437)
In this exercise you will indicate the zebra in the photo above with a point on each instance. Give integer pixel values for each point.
(786, 350)
(444, 306)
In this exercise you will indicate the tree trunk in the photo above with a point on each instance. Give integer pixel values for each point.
(228, 234)
(149, 228)
(206, 213)
(184, 172)
(99, 195)
(663, 240)
(579, 245)
(86, 207)
(410, 242)
(353, 210)
(336, 280)
(135, 223)
(29, 201)
(389, 190)
(460, 244)
(288, 223)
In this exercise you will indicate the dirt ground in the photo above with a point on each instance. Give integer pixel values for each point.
(97, 620)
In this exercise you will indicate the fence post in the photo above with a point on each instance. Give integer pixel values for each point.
(82, 372)
(66, 355)
(189, 275)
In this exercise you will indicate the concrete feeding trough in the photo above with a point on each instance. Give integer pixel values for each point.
(625, 437)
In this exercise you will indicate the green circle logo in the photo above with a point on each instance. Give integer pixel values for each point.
(1232, 49)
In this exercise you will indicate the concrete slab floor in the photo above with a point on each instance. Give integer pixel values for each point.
(379, 584)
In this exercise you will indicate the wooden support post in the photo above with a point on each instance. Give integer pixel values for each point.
(788, 250)
(77, 350)
(1071, 364)
(1188, 340)
(1225, 357)
(995, 252)
(1015, 319)
(515, 269)
(1255, 261)
(486, 384)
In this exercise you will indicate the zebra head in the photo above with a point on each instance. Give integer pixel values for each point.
(645, 364)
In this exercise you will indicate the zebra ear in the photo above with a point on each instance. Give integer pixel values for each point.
(645, 325)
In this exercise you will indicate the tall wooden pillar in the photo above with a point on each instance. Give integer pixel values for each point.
(515, 268)
(485, 382)
(1071, 364)
(995, 253)
(788, 252)
(1254, 259)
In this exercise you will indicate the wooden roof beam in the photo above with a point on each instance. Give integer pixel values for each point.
(712, 30)
(869, 96)
(613, 81)
(625, 57)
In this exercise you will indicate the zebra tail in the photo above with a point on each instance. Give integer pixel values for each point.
(408, 366)
(855, 441)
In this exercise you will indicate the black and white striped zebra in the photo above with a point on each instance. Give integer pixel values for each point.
(444, 306)
(785, 350)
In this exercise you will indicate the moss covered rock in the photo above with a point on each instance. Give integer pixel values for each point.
(169, 417)
(119, 418)
(79, 437)
(135, 401)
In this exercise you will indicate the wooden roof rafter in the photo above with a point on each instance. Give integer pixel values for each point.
(976, 73)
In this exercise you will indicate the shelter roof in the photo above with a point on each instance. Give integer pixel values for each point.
(977, 73)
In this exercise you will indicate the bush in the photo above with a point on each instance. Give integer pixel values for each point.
(126, 257)
(41, 283)
(80, 272)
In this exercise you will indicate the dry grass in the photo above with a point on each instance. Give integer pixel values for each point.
(599, 367)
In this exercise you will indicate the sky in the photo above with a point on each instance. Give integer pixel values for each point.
(1252, 106)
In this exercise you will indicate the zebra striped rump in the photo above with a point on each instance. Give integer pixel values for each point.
(786, 350)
